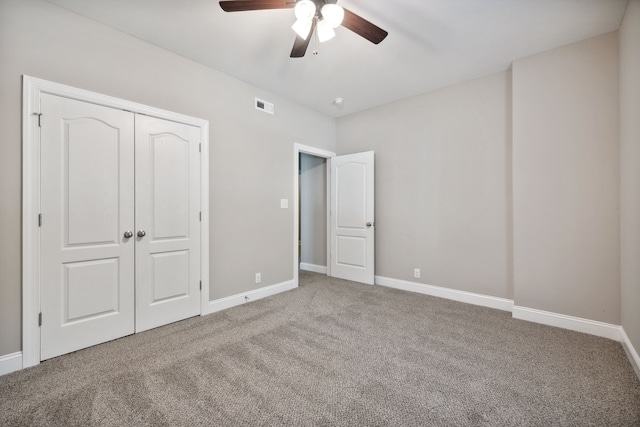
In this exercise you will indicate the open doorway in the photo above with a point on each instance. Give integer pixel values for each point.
(312, 229)
(311, 210)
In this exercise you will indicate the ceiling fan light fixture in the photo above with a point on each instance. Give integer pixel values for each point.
(325, 31)
(333, 14)
(302, 28)
(305, 10)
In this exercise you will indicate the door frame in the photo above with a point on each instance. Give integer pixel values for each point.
(306, 149)
(32, 88)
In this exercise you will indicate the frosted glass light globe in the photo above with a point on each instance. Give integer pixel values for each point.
(325, 31)
(305, 10)
(333, 14)
(302, 28)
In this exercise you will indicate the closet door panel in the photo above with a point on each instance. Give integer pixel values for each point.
(170, 164)
(167, 222)
(87, 204)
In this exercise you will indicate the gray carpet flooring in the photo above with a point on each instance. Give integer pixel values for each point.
(334, 353)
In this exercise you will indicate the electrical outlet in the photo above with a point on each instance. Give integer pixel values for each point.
(258, 277)
(416, 273)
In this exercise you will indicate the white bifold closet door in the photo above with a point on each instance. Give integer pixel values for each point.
(120, 233)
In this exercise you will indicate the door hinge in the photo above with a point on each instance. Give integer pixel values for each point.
(200, 284)
(40, 319)
(39, 220)
(200, 216)
(39, 119)
(200, 147)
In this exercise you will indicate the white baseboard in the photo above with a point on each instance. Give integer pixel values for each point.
(10, 363)
(631, 351)
(578, 324)
(242, 298)
(452, 294)
(312, 267)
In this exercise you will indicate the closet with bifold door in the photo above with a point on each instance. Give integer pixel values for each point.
(120, 229)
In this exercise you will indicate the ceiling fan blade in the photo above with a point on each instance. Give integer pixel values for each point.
(300, 45)
(244, 5)
(363, 28)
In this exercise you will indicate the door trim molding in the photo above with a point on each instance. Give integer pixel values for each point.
(32, 88)
(297, 149)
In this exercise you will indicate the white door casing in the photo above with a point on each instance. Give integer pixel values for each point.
(167, 222)
(297, 149)
(87, 235)
(352, 217)
(87, 204)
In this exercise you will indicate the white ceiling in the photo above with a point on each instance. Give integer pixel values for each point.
(431, 43)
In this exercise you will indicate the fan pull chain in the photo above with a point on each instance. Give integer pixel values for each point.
(315, 42)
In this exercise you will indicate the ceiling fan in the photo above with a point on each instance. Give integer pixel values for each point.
(321, 16)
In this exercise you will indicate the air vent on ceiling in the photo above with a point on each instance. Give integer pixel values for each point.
(265, 106)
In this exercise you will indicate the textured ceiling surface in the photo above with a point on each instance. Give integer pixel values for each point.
(431, 43)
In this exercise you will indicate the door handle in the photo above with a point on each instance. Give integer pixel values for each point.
(142, 233)
(128, 234)
(369, 224)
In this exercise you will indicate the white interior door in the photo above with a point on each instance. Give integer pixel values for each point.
(167, 222)
(352, 217)
(87, 205)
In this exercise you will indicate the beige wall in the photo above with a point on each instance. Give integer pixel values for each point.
(313, 209)
(565, 180)
(250, 161)
(442, 184)
(630, 170)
